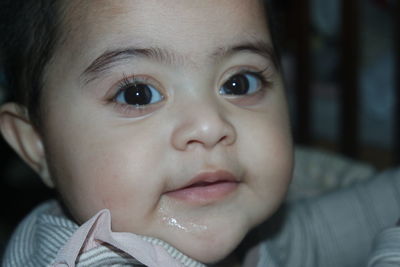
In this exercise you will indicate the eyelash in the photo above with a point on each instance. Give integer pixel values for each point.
(122, 85)
(263, 76)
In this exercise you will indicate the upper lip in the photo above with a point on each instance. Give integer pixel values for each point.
(207, 178)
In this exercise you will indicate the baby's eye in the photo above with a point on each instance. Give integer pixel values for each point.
(242, 84)
(138, 94)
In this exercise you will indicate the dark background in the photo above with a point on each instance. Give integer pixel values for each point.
(341, 65)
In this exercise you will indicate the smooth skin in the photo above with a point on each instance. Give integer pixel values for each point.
(101, 150)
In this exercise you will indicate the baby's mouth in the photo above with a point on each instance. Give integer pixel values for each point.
(206, 188)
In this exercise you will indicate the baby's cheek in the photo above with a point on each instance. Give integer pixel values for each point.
(93, 190)
(111, 191)
(121, 196)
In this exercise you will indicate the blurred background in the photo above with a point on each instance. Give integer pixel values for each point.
(341, 65)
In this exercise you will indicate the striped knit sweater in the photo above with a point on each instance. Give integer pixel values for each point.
(355, 227)
(40, 237)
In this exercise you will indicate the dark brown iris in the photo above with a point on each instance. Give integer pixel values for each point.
(236, 85)
(138, 94)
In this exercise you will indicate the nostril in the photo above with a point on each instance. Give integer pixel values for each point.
(206, 132)
(209, 142)
(223, 139)
(227, 139)
(191, 142)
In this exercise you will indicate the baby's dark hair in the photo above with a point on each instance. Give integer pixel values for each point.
(29, 31)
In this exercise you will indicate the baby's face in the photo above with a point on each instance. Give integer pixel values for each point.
(172, 115)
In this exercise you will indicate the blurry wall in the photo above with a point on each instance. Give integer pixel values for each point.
(375, 58)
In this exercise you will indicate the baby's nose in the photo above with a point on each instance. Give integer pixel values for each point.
(203, 126)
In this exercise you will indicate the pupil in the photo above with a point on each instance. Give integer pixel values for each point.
(237, 85)
(138, 94)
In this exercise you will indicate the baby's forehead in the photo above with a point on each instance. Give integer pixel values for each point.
(93, 27)
(83, 18)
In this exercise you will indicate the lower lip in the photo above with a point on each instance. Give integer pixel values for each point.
(204, 194)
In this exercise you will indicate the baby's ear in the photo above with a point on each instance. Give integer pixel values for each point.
(20, 134)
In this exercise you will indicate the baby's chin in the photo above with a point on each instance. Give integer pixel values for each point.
(209, 246)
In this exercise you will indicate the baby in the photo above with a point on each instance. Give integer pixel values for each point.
(163, 126)
(170, 114)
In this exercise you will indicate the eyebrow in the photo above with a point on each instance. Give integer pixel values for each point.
(261, 48)
(111, 58)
